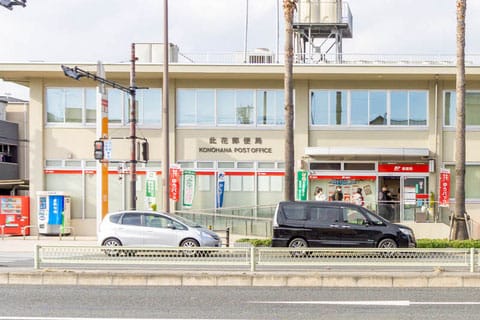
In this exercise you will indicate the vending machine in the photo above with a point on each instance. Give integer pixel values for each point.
(53, 208)
(15, 214)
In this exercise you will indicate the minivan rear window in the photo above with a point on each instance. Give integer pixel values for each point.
(295, 212)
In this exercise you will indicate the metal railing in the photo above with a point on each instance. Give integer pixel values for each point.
(238, 58)
(253, 257)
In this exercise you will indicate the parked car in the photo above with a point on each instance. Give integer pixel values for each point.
(152, 228)
(335, 224)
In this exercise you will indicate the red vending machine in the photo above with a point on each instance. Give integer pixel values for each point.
(15, 214)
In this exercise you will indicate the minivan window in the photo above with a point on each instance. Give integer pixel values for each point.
(295, 212)
(353, 216)
(324, 215)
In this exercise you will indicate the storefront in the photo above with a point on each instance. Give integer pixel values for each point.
(406, 182)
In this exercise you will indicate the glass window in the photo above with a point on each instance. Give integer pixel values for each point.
(132, 219)
(90, 105)
(295, 212)
(319, 107)
(472, 109)
(472, 176)
(450, 108)
(418, 108)
(244, 106)
(55, 102)
(378, 108)
(205, 107)
(229, 107)
(399, 108)
(73, 105)
(115, 106)
(338, 108)
(269, 106)
(149, 106)
(359, 107)
(226, 107)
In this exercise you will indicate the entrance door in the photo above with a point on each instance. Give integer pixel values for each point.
(413, 200)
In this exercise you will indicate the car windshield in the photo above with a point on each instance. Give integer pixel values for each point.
(186, 221)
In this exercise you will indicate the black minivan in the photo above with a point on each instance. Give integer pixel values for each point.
(335, 224)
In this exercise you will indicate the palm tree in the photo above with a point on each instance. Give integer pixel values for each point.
(459, 223)
(289, 7)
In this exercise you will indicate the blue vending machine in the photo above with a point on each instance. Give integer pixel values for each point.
(53, 212)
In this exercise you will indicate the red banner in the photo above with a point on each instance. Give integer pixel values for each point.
(444, 194)
(174, 182)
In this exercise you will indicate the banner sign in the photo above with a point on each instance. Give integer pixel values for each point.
(220, 188)
(444, 194)
(302, 185)
(150, 188)
(188, 187)
(404, 167)
(175, 183)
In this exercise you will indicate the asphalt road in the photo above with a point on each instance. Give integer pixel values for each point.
(98, 302)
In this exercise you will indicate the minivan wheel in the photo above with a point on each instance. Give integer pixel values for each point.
(387, 244)
(298, 243)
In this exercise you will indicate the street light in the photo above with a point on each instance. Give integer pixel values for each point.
(77, 73)
(10, 3)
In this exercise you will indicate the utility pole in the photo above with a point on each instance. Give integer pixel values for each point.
(165, 114)
(133, 134)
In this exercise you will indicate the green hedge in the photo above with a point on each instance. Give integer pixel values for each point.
(421, 243)
(444, 243)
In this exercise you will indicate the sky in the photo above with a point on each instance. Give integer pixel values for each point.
(73, 31)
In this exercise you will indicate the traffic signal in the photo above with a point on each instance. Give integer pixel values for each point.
(145, 151)
(99, 153)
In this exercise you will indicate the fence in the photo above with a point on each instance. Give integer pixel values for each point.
(253, 257)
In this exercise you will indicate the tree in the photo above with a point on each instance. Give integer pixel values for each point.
(459, 222)
(289, 7)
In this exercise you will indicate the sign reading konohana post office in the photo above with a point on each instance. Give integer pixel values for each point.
(253, 145)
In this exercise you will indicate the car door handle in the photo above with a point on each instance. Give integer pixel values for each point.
(346, 227)
(334, 226)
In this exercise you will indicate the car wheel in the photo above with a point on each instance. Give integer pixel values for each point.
(189, 243)
(112, 242)
(387, 244)
(298, 243)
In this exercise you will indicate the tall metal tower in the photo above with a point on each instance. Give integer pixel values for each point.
(319, 26)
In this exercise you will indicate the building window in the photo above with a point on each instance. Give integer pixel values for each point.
(472, 176)
(368, 108)
(79, 106)
(472, 108)
(229, 107)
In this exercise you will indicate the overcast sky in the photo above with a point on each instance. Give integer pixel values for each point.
(91, 30)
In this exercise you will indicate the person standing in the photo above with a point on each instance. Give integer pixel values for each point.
(319, 195)
(338, 195)
(385, 205)
(358, 197)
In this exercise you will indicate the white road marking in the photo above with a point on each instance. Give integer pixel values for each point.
(372, 302)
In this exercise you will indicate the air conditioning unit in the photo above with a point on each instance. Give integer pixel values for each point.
(261, 56)
(153, 52)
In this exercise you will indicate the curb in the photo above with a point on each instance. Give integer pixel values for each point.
(242, 279)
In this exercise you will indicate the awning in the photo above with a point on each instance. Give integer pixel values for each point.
(9, 184)
(374, 152)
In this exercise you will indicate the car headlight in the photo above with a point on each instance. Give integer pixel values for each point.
(406, 231)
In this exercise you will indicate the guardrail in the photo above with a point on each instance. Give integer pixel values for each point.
(254, 256)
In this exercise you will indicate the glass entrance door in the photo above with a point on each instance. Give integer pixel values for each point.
(412, 197)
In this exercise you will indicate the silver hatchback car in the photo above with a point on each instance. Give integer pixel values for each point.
(152, 228)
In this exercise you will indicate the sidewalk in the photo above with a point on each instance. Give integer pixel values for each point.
(153, 277)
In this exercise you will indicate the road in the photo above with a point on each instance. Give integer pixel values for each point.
(99, 302)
